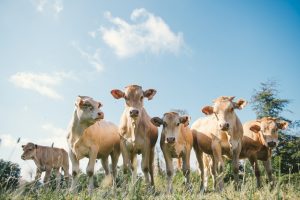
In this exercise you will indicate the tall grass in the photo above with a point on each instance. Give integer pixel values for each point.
(139, 191)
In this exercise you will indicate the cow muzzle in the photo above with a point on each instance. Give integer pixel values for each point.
(100, 115)
(170, 140)
(271, 144)
(23, 157)
(134, 113)
(224, 126)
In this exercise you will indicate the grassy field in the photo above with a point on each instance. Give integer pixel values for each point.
(286, 188)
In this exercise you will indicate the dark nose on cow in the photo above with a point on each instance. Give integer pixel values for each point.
(23, 157)
(224, 126)
(101, 115)
(271, 144)
(171, 140)
(134, 113)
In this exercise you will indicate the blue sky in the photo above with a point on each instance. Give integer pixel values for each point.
(189, 51)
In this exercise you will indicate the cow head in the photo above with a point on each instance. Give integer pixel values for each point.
(88, 110)
(223, 109)
(29, 151)
(172, 123)
(134, 99)
(267, 128)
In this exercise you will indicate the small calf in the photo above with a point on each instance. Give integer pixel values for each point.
(176, 142)
(46, 159)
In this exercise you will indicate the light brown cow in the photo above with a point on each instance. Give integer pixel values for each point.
(90, 136)
(260, 137)
(220, 133)
(176, 142)
(138, 134)
(46, 159)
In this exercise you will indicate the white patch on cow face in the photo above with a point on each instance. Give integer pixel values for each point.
(269, 131)
(88, 111)
(29, 151)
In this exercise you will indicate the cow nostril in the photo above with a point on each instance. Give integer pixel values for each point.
(134, 113)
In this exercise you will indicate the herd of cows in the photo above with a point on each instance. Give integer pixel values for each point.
(218, 135)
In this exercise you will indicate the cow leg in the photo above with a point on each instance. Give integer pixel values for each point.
(47, 176)
(151, 167)
(145, 163)
(268, 168)
(219, 165)
(186, 167)
(75, 171)
(125, 155)
(114, 160)
(133, 167)
(254, 164)
(170, 171)
(205, 176)
(58, 178)
(107, 180)
(66, 173)
(235, 165)
(38, 174)
(199, 156)
(90, 169)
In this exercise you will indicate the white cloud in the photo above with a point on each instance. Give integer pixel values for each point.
(41, 83)
(8, 141)
(93, 59)
(146, 33)
(55, 6)
(55, 135)
(93, 34)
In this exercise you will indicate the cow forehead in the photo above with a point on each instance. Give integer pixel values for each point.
(133, 89)
(29, 145)
(170, 116)
(223, 104)
(268, 123)
(91, 101)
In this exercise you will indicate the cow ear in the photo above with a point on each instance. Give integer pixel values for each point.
(208, 110)
(255, 128)
(36, 146)
(156, 121)
(282, 125)
(117, 94)
(79, 101)
(240, 104)
(185, 120)
(149, 93)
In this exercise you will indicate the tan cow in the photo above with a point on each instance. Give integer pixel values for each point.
(176, 142)
(260, 137)
(46, 159)
(220, 133)
(138, 134)
(91, 137)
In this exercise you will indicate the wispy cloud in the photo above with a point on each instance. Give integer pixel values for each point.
(54, 135)
(93, 59)
(146, 33)
(55, 6)
(41, 83)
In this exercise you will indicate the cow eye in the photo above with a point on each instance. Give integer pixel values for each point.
(177, 124)
(164, 124)
(142, 97)
(99, 105)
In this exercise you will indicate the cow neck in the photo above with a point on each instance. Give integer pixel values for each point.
(36, 159)
(77, 128)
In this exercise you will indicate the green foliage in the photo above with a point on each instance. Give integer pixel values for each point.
(9, 175)
(265, 102)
